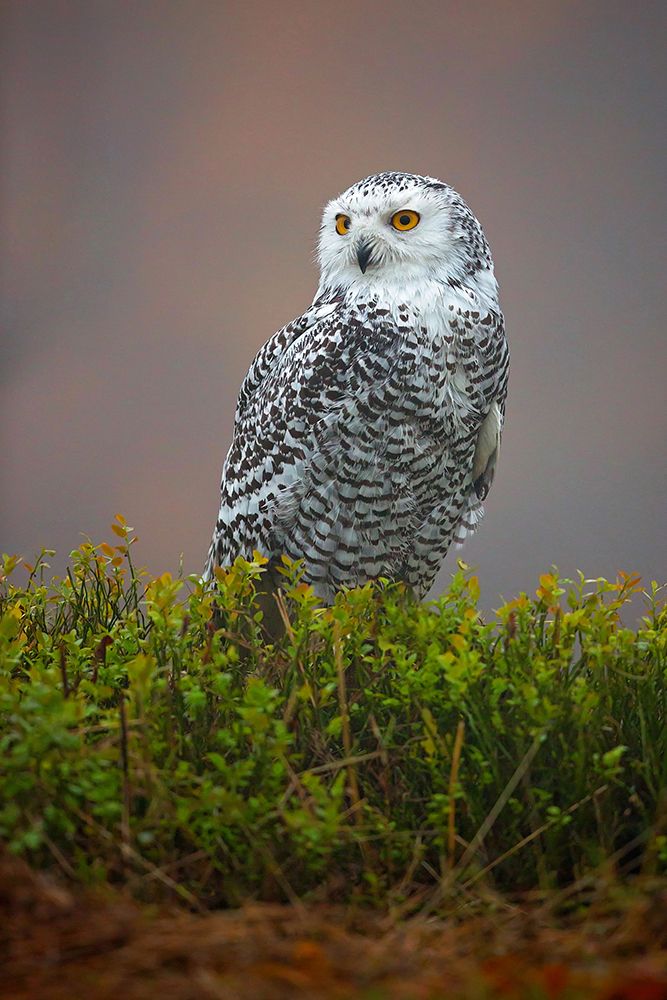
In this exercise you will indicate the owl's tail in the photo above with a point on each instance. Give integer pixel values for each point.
(469, 520)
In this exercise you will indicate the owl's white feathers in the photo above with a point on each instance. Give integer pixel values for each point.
(367, 430)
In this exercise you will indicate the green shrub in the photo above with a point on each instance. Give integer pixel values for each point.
(383, 750)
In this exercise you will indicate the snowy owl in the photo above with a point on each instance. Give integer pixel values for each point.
(367, 429)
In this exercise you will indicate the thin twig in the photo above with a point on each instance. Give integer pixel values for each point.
(335, 765)
(355, 811)
(345, 717)
(279, 598)
(531, 836)
(277, 873)
(500, 803)
(63, 670)
(453, 778)
(124, 758)
(486, 825)
(590, 878)
(144, 863)
(174, 865)
(55, 850)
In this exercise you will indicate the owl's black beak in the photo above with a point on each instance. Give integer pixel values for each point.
(364, 251)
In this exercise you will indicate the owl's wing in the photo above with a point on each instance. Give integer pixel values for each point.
(487, 367)
(482, 367)
(486, 450)
(288, 413)
(268, 355)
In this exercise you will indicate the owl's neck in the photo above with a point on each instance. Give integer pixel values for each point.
(386, 293)
(422, 293)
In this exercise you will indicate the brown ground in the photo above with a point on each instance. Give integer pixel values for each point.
(57, 944)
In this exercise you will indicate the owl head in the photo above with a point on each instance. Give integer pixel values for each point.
(396, 227)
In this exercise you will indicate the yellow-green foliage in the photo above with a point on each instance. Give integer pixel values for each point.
(382, 747)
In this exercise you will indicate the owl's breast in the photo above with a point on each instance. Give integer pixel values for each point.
(405, 422)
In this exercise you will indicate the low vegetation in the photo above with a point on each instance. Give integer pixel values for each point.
(403, 755)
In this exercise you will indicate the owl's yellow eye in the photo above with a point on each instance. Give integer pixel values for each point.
(342, 224)
(404, 220)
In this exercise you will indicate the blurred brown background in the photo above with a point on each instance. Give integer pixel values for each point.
(163, 168)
